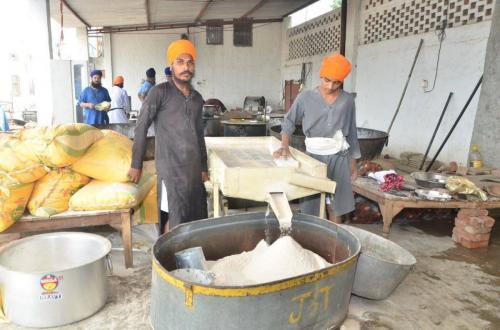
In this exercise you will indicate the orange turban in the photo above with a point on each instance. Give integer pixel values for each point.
(118, 80)
(179, 47)
(335, 67)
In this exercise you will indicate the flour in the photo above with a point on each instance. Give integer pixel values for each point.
(284, 258)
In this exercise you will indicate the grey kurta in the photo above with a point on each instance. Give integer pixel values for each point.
(320, 119)
(180, 151)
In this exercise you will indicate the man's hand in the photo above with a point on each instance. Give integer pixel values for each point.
(205, 177)
(134, 174)
(282, 152)
(87, 105)
(354, 175)
(354, 170)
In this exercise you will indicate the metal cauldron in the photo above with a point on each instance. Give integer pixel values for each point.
(244, 127)
(129, 130)
(382, 265)
(53, 279)
(371, 142)
(318, 300)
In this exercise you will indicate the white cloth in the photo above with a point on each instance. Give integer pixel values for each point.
(327, 146)
(121, 104)
(379, 176)
(164, 199)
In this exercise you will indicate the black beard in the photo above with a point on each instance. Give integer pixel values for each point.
(95, 85)
(181, 82)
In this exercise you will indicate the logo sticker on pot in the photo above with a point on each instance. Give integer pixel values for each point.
(49, 283)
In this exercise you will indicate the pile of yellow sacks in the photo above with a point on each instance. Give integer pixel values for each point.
(72, 166)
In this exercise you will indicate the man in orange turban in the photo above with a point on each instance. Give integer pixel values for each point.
(328, 117)
(120, 103)
(175, 108)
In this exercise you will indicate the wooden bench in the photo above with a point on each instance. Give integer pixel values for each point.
(120, 219)
(390, 205)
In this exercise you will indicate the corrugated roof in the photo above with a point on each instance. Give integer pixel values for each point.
(113, 13)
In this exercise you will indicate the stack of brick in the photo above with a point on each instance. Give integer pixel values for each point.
(473, 228)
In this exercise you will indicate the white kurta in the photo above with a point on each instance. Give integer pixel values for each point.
(121, 105)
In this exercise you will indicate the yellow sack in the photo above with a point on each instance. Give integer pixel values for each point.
(60, 145)
(108, 159)
(52, 192)
(149, 166)
(13, 199)
(18, 166)
(101, 195)
(147, 212)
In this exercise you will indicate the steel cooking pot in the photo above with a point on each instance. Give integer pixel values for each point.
(53, 279)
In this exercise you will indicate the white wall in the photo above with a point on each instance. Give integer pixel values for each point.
(62, 92)
(230, 73)
(37, 38)
(382, 70)
(133, 53)
(222, 71)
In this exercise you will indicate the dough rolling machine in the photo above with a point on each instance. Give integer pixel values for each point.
(244, 167)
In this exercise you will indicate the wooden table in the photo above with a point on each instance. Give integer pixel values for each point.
(121, 219)
(390, 205)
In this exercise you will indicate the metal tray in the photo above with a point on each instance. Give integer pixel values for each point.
(429, 180)
(433, 194)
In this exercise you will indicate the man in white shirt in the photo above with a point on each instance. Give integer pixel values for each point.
(120, 104)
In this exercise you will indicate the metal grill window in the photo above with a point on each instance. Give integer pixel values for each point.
(390, 19)
(243, 33)
(215, 33)
(316, 37)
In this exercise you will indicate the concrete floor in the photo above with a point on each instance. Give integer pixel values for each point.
(450, 287)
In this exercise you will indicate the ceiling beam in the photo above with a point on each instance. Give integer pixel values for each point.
(166, 26)
(75, 13)
(254, 8)
(203, 10)
(148, 12)
(304, 5)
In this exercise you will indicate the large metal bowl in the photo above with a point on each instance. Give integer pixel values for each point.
(317, 300)
(430, 180)
(53, 279)
(371, 142)
(382, 265)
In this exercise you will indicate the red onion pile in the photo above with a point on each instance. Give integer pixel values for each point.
(392, 182)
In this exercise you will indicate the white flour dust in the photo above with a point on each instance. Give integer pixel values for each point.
(285, 258)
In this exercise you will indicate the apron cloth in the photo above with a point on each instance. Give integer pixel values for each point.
(339, 170)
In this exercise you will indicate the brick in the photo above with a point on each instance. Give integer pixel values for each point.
(471, 237)
(472, 229)
(472, 212)
(470, 244)
(480, 221)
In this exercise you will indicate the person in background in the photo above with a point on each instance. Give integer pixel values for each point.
(327, 112)
(148, 84)
(4, 122)
(175, 108)
(168, 74)
(90, 97)
(120, 104)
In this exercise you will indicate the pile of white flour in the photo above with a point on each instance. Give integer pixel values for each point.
(284, 258)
